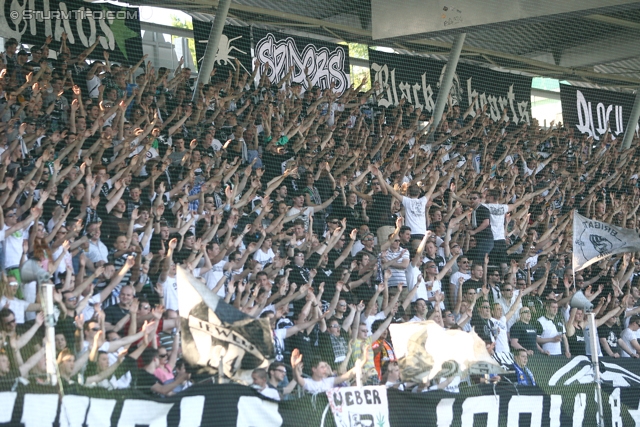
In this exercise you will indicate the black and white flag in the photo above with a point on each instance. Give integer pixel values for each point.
(594, 240)
(216, 334)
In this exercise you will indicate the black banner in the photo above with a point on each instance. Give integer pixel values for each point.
(235, 43)
(235, 405)
(202, 405)
(33, 21)
(326, 62)
(417, 80)
(571, 401)
(591, 111)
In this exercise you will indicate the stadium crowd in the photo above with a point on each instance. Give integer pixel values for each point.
(317, 210)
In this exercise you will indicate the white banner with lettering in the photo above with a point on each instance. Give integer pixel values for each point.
(359, 406)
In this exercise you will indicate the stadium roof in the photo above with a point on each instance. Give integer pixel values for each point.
(595, 47)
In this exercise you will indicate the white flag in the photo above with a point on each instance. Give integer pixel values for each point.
(425, 349)
(594, 240)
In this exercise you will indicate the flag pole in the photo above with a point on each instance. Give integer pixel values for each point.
(592, 337)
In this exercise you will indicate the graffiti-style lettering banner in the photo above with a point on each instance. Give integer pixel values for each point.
(325, 62)
(417, 80)
(590, 111)
(31, 22)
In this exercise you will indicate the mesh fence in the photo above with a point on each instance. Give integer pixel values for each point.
(306, 241)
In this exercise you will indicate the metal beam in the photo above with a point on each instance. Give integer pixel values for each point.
(631, 124)
(614, 21)
(292, 17)
(165, 29)
(602, 51)
(204, 71)
(447, 80)
(538, 64)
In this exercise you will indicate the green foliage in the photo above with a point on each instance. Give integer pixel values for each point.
(187, 25)
(360, 51)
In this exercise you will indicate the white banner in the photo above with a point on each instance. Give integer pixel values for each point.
(594, 240)
(359, 406)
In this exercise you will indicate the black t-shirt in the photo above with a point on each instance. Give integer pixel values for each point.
(8, 380)
(273, 164)
(485, 328)
(111, 228)
(380, 211)
(114, 314)
(144, 381)
(577, 343)
(612, 335)
(481, 214)
(526, 334)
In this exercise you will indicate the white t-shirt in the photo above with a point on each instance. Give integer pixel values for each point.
(415, 214)
(216, 145)
(431, 288)
(315, 387)
(454, 281)
(92, 86)
(13, 246)
(270, 393)
(370, 319)
(89, 311)
(506, 306)
(302, 214)
(412, 272)
(264, 258)
(213, 276)
(497, 219)
(502, 341)
(549, 330)
(627, 336)
(170, 290)
(18, 307)
(98, 252)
